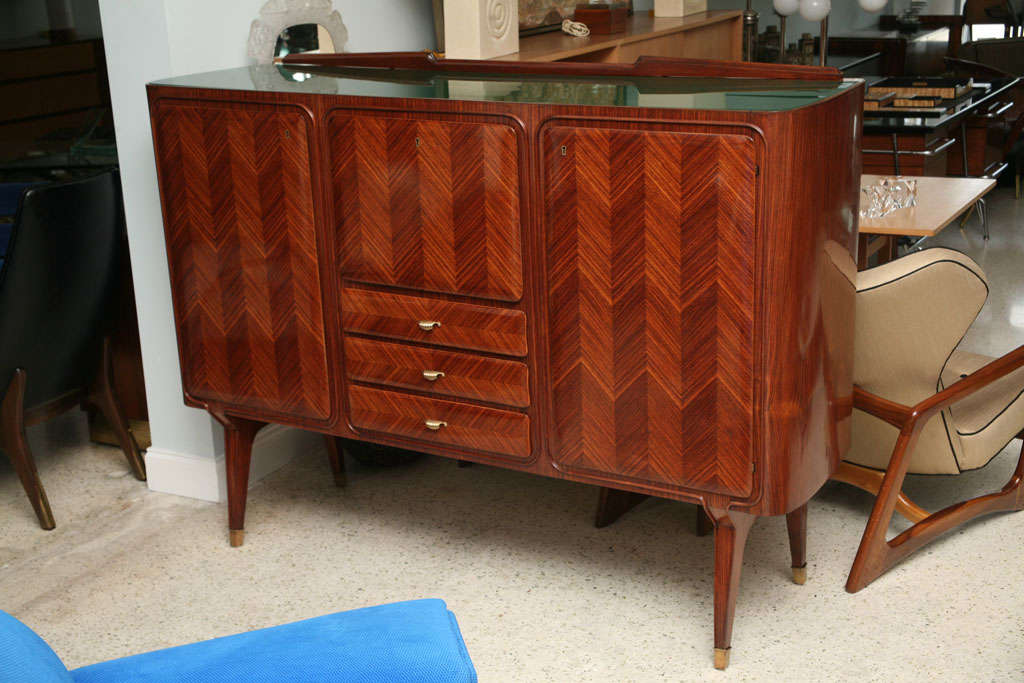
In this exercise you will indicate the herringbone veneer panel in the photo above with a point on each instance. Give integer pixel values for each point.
(431, 205)
(239, 218)
(650, 245)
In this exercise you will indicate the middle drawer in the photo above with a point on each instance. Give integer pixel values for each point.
(445, 373)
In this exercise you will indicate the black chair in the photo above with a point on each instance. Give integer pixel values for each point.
(57, 283)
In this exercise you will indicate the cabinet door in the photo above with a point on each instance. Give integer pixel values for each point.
(650, 243)
(239, 217)
(432, 205)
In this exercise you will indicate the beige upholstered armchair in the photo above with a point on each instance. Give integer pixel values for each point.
(920, 405)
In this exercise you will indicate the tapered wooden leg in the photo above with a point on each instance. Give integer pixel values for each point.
(796, 524)
(336, 456)
(731, 530)
(14, 443)
(238, 437)
(704, 524)
(613, 503)
(102, 397)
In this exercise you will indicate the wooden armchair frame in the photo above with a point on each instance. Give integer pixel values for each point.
(876, 555)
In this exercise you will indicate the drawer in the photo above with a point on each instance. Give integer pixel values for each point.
(440, 422)
(439, 372)
(432, 321)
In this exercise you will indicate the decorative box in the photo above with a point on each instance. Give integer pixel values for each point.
(603, 18)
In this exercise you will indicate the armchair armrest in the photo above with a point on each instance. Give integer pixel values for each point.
(911, 418)
(975, 68)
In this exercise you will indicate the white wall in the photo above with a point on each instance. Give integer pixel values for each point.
(147, 40)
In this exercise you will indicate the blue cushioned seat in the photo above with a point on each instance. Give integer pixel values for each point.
(410, 641)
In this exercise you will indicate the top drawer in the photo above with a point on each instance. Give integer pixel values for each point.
(432, 321)
(427, 204)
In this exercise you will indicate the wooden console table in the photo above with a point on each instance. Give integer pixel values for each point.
(706, 35)
(584, 271)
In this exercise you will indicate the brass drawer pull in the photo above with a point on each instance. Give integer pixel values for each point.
(428, 325)
(432, 375)
(434, 425)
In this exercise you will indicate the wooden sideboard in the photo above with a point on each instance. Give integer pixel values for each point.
(584, 276)
(717, 34)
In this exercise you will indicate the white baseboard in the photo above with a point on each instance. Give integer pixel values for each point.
(196, 476)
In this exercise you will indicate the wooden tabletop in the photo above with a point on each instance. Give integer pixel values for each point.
(555, 45)
(939, 201)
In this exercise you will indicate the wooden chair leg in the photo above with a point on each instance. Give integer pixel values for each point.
(613, 503)
(731, 531)
(796, 524)
(15, 444)
(870, 480)
(875, 555)
(103, 398)
(336, 457)
(239, 434)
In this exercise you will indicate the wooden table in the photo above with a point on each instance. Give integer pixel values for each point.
(939, 202)
(706, 35)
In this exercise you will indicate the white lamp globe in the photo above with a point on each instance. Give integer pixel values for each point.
(815, 10)
(786, 7)
(873, 5)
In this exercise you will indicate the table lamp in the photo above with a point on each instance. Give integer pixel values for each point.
(784, 8)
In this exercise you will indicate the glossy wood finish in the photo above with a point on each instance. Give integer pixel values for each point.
(239, 434)
(468, 426)
(650, 293)
(745, 286)
(458, 375)
(463, 326)
(876, 555)
(427, 204)
(731, 530)
(870, 480)
(239, 218)
(642, 66)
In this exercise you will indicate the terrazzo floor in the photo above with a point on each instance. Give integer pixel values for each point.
(540, 594)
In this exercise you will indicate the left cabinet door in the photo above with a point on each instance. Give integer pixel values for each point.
(239, 216)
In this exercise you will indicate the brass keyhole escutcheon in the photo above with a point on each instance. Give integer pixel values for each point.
(564, 150)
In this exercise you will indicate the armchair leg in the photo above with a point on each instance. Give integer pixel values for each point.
(796, 524)
(102, 397)
(875, 555)
(14, 443)
(867, 479)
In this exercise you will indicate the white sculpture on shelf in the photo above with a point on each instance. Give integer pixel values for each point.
(277, 15)
(480, 29)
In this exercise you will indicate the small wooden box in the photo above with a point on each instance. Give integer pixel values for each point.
(608, 18)
(679, 8)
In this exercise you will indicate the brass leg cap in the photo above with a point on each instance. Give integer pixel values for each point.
(722, 658)
(237, 537)
(800, 575)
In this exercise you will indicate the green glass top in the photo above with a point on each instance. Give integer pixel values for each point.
(731, 94)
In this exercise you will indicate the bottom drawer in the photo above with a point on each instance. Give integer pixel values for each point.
(441, 422)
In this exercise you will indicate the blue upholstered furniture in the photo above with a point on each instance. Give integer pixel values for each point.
(418, 640)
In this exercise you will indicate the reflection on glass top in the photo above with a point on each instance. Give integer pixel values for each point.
(733, 94)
